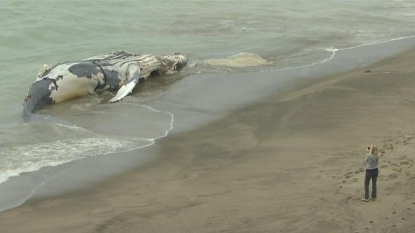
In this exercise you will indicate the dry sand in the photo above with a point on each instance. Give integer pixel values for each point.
(291, 163)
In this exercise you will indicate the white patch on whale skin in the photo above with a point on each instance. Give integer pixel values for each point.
(60, 70)
(70, 86)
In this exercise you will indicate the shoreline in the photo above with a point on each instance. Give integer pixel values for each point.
(288, 79)
(290, 162)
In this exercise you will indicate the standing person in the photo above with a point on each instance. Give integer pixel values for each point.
(372, 171)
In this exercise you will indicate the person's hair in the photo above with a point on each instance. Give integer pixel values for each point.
(374, 151)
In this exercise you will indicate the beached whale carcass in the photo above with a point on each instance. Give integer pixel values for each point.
(117, 71)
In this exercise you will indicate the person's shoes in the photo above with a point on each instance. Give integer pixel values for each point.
(373, 199)
(365, 200)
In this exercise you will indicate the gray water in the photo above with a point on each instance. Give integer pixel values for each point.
(286, 33)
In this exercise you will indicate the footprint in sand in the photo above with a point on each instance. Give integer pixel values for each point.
(393, 176)
(393, 164)
(397, 170)
(406, 140)
(348, 178)
(348, 175)
(356, 172)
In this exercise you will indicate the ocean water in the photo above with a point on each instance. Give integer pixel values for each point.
(218, 37)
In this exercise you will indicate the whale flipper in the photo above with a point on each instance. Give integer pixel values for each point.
(126, 89)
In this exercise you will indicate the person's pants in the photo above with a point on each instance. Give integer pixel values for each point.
(374, 177)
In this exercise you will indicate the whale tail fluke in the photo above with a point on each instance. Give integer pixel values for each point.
(33, 101)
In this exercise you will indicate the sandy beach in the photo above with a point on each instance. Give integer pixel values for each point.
(290, 163)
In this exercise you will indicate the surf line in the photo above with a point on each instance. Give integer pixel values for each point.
(166, 132)
(379, 42)
(333, 51)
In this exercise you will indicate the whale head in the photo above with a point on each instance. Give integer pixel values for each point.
(174, 63)
(37, 97)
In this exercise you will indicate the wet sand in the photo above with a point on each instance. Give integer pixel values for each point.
(291, 163)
